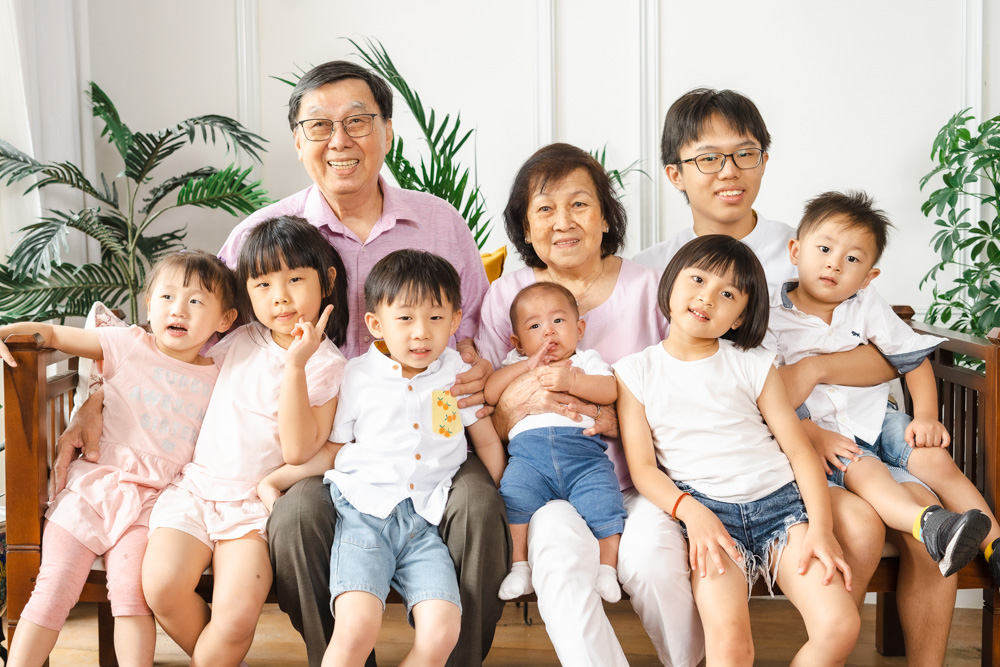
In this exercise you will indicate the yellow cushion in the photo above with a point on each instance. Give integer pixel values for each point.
(493, 262)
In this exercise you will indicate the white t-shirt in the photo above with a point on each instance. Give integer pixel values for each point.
(590, 362)
(405, 437)
(238, 444)
(864, 318)
(768, 240)
(707, 429)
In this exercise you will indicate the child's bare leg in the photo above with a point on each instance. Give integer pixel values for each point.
(725, 615)
(518, 581)
(935, 467)
(437, 624)
(171, 570)
(926, 600)
(607, 572)
(135, 640)
(831, 617)
(355, 630)
(870, 479)
(242, 573)
(31, 645)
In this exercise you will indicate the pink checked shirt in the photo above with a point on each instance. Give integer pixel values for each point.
(409, 220)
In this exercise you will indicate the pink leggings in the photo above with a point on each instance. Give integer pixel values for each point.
(66, 562)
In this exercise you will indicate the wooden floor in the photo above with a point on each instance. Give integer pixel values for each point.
(777, 627)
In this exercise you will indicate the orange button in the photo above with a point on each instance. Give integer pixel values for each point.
(411, 486)
(416, 426)
(410, 388)
(417, 457)
(395, 367)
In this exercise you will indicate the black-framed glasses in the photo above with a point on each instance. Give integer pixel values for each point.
(713, 163)
(321, 129)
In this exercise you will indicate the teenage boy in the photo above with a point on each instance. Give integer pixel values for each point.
(405, 440)
(723, 130)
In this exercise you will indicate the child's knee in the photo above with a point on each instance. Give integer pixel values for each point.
(438, 630)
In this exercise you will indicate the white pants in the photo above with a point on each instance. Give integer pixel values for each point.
(653, 568)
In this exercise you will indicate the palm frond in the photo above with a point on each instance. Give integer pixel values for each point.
(115, 130)
(152, 248)
(230, 131)
(16, 166)
(228, 189)
(166, 187)
(67, 285)
(42, 242)
(148, 151)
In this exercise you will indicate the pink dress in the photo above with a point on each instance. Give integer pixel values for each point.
(153, 407)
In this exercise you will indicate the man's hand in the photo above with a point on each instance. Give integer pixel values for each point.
(81, 438)
(470, 384)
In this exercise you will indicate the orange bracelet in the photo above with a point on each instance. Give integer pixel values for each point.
(673, 512)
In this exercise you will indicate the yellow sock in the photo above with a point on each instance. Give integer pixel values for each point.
(916, 524)
(989, 550)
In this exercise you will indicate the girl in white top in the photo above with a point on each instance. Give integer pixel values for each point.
(274, 403)
(711, 438)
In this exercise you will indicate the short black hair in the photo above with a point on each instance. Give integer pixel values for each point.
(554, 163)
(331, 72)
(212, 273)
(855, 208)
(686, 118)
(294, 242)
(542, 287)
(722, 254)
(412, 275)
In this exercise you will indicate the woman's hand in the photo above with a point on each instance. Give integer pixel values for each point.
(526, 396)
(708, 539)
(821, 544)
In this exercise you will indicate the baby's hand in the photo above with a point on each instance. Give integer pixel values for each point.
(307, 338)
(542, 356)
(556, 378)
(822, 546)
(927, 433)
(268, 494)
(831, 445)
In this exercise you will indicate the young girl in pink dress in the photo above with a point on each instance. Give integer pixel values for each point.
(274, 403)
(156, 390)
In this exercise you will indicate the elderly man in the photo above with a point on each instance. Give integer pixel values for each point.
(341, 120)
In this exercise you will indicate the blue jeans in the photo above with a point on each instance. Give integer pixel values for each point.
(402, 550)
(890, 447)
(560, 463)
(760, 527)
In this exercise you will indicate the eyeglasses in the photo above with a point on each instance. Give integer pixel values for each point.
(321, 129)
(713, 163)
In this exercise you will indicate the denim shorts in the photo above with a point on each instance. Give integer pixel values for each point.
(561, 463)
(402, 551)
(760, 527)
(890, 447)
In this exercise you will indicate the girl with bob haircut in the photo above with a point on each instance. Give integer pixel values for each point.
(712, 440)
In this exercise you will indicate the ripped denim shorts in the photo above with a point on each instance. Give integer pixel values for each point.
(760, 527)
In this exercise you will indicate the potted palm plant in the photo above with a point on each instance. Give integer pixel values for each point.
(35, 284)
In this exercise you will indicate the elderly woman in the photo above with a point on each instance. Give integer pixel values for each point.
(567, 225)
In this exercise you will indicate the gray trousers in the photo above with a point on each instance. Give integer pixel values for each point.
(474, 527)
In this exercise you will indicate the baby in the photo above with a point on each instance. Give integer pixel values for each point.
(550, 457)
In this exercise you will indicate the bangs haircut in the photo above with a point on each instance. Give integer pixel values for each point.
(686, 119)
(213, 275)
(552, 288)
(332, 72)
(288, 241)
(855, 208)
(553, 163)
(723, 255)
(412, 277)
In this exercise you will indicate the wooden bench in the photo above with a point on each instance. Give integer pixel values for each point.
(37, 407)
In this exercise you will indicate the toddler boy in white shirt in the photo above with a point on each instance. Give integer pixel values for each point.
(405, 440)
(832, 308)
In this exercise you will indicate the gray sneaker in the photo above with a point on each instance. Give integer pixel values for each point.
(953, 539)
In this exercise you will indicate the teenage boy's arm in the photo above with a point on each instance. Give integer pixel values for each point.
(707, 537)
(925, 430)
(864, 366)
(784, 424)
(78, 342)
(488, 447)
(271, 487)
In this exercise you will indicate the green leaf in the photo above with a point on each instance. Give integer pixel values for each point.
(228, 190)
(115, 130)
(42, 242)
(68, 290)
(229, 130)
(166, 187)
(16, 166)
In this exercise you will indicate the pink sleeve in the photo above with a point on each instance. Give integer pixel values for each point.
(493, 339)
(117, 345)
(324, 373)
(474, 282)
